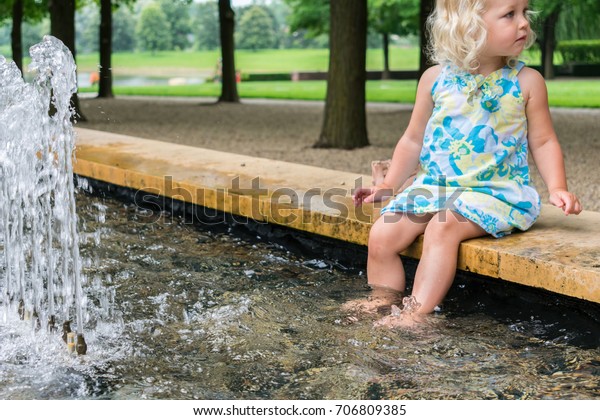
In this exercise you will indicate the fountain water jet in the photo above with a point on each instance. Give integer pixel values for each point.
(41, 266)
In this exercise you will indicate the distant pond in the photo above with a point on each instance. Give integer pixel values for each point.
(87, 79)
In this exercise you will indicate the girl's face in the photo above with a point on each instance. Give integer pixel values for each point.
(507, 27)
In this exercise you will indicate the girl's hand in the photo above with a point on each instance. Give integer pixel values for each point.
(371, 195)
(567, 201)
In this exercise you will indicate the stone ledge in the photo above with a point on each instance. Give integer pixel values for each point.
(559, 254)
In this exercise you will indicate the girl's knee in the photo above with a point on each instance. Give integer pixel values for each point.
(443, 227)
(450, 227)
(380, 241)
(386, 237)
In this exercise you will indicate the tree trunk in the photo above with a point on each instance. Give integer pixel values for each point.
(229, 91)
(385, 75)
(426, 9)
(345, 120)
(62, 26)
(16, 36)
(105, 83)
(548, 43)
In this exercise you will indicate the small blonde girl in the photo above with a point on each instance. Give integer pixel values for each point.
(476, 115)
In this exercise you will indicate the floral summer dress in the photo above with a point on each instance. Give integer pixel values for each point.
(474, 156)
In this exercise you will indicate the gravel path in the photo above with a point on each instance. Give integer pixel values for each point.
(286, 130)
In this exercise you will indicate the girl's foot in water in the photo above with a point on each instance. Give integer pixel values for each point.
(380, 297)
(407, 317)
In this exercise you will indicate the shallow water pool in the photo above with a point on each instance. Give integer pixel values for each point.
(183, 313)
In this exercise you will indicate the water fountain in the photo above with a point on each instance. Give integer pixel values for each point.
(42, 273)
(175, 312)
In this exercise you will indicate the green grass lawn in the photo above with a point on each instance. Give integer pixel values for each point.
(562, 93)
(574, 93)
(263, 61)
(377, 91)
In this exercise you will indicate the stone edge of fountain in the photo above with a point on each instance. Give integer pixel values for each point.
(559, 254)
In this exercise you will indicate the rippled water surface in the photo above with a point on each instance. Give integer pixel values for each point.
(187, 313)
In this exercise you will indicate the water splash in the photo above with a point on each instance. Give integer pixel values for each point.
(410, 305)
(40, 264)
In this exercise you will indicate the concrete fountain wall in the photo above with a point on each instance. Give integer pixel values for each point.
(559, 254)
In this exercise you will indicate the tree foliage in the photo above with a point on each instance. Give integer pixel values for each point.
(153, 31)
(256, 29)
(177, 13)
(579, 20)
(310, 15)
(86, 29)
(123, 30)
(206, 26)
(34, 10)
(399, 17)
(18, 13)
(296, 23)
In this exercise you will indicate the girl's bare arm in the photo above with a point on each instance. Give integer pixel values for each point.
(543, 142)
(406, 154)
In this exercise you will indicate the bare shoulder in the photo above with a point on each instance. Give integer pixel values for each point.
(433, 71)
(530, 76)
(429, 75)
(425, 85)
(532, 84)
(423, 105)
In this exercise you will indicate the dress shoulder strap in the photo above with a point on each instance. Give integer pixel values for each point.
(514, 71)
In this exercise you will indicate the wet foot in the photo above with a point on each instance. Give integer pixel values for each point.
(378, 299)
(402, 320)
(407, 317)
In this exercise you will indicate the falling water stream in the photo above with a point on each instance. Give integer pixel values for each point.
(173, 310)
(41, 263)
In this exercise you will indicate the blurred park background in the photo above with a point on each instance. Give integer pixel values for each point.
(172, 47)
(342, 55)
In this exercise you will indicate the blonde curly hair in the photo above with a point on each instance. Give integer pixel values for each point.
(458, 33)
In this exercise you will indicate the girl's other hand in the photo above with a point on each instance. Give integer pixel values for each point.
(372, 195)
(567, 201)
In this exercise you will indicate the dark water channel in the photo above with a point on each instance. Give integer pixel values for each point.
(203, 314)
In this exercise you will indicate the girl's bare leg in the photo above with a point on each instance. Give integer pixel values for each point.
(391, 234)
(437, 267)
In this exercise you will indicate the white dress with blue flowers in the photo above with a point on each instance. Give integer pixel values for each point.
(474, 156)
